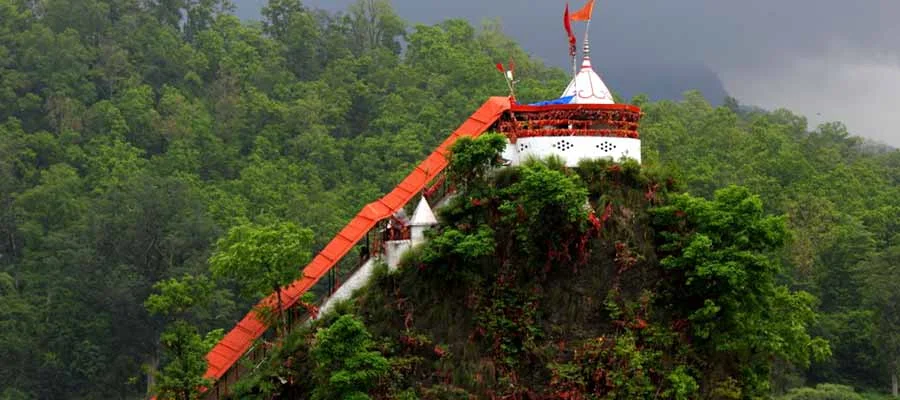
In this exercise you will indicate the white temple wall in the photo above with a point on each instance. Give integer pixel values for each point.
(354, 283)
(573, 149)
(394, 249)
(510, 153)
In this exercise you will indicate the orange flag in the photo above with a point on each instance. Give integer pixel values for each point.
(584, 14)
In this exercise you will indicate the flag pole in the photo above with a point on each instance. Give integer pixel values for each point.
(574, 62)
(585, 14)
(508, 77)
(510, 82)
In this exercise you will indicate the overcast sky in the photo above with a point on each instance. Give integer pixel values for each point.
(827, 59)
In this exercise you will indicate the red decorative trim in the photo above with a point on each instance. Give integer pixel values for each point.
(618, 133)
(600, 120)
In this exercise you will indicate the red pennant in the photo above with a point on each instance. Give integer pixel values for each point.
(500, 68)
(567, 23)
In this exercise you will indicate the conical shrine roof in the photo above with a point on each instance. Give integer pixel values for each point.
(587, 87)
(423, 216)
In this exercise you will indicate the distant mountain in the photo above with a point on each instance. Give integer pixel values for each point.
(662, 82)
(656, 78)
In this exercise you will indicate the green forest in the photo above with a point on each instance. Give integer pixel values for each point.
(154, 153)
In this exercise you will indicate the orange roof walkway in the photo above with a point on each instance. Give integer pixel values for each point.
(239, 340)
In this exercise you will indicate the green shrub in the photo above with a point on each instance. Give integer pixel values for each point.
(825, 391)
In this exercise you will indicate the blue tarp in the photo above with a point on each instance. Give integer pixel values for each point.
(561, 100)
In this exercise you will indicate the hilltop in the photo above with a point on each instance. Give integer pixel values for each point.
(551, 282)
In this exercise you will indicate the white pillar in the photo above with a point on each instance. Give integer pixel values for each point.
(394, 249)
(417, 233)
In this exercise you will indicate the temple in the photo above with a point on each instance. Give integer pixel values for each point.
(583, 123)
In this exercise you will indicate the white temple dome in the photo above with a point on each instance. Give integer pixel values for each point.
(587, 87)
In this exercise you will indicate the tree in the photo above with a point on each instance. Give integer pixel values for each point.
(201, 14)
(182, 376)
(184, 349)
(883, 294)
(296, 28)
(545, 197)
(346, 366)
(374, 25)
(721, 278)
(263, 259)
(472, 159)
(17, 332)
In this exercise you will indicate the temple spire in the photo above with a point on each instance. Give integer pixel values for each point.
(587, 41)
(586, 86)
(585, 14)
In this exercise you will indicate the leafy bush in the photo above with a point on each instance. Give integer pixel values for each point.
(346, 365)
(825, 391)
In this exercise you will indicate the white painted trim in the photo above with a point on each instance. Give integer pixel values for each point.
(573, 149)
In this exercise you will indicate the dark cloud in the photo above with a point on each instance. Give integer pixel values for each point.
(832, 55)
(683, 31)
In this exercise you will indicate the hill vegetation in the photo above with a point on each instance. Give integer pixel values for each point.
(136, 134)
(526, 292)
